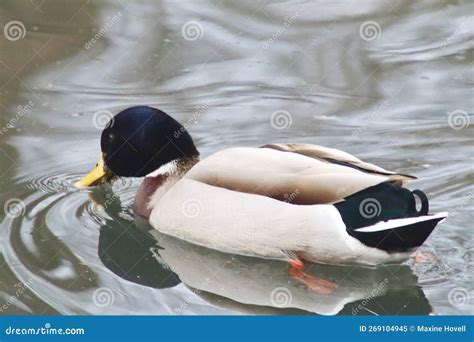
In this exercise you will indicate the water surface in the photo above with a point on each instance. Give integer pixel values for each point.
(389, 82)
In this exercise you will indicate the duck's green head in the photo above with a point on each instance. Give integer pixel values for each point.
(136, 142)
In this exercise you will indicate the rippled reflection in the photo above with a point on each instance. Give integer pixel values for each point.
(253, 285)
(130, 252)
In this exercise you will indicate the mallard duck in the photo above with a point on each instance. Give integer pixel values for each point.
(298, 202)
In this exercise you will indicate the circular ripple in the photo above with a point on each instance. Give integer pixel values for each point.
(104, 203)
(53, 183)
(107, 203)
(126, 188)
(60, 228)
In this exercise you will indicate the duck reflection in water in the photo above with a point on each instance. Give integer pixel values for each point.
(127, 250)
(238, 281)
(243, 284)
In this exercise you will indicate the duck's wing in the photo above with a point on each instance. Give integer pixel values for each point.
(335, 156)
(315, 176)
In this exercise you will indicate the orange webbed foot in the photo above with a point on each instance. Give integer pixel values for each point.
(419, 257)
(315, 284)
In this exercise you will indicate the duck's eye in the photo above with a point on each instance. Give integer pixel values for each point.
(111, 136)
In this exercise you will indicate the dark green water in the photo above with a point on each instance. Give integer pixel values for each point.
(389, 82)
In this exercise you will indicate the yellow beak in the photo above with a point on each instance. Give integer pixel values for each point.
(97, 176)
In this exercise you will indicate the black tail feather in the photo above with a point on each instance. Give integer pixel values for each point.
(383, 202)
(399, 239)
(425, 207)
